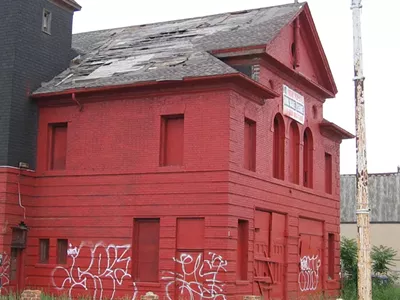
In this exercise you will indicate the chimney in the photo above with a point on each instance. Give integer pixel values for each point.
(398, 169)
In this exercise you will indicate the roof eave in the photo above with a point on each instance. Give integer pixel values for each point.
(242, 51)
(71, 5)
(260, 50)
(298, 76)
(256, 88)
(331, 128)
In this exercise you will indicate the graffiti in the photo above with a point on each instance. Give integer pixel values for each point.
(4, 271)
(95, 268)
(309, 273)
(72, 251)
(197, 278)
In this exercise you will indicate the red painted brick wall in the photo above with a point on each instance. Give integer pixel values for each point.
(116, 179)
(123, 134)
(11, 212)
(250, 190)
(113, 175)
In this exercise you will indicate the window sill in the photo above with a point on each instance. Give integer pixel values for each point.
(171, 168)
(242, 282)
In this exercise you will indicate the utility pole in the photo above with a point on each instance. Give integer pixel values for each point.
(363, 211)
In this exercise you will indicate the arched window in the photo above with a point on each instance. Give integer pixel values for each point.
(294, 148)
(279, 147)
(308, 158)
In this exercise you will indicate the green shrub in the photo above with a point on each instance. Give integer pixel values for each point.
(382, 259)
(348, 257)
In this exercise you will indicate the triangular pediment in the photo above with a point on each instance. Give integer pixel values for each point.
(298, 47)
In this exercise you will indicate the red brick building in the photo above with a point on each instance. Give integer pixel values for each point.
(189, 158)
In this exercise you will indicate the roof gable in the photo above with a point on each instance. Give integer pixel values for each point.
(303, 52)
(167, 51)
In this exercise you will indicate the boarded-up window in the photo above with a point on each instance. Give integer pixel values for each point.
(308, 159)
(190, 250)
(278, 162)
(311, 251)
(62, 246)
(57, 146)
(44, 245)
(294, 163)
(250, 144)
(190, 234)
(328, 173)
(269, 252)
(146, 250)
(242, 250)
(331, 255)
(172, 138)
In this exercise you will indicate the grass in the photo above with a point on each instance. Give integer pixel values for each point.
(379, 292)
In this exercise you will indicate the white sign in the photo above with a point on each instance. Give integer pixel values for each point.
(293, 105)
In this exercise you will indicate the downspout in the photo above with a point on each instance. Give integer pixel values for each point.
(19, 194)
(76, 101)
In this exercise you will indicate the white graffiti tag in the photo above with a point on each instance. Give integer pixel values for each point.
(309, 273)
(198, 278)
(4, 271)
(95, 268)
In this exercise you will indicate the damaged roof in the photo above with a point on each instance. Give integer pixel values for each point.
(167, 51)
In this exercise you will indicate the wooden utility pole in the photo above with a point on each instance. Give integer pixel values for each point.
(363, 211)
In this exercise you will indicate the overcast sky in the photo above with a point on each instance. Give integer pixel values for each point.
(381, 43)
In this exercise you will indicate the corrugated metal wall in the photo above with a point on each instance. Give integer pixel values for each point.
(384, 197)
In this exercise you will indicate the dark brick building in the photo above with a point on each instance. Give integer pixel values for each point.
(190, 158)
(27, 58)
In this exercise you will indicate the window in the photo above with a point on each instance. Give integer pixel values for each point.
(279, 147)
(331, 256)
(245, 69)
(294, 163)
(328, 173)
(172, 137)
(146, 250)
(57, 146)
(44, 245)
(46, 24)
(242, 250)
(250, 145)
(308, 159)
(62, 246)
(190, 244)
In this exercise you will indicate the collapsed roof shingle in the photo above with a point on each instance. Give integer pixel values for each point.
(167, 51)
